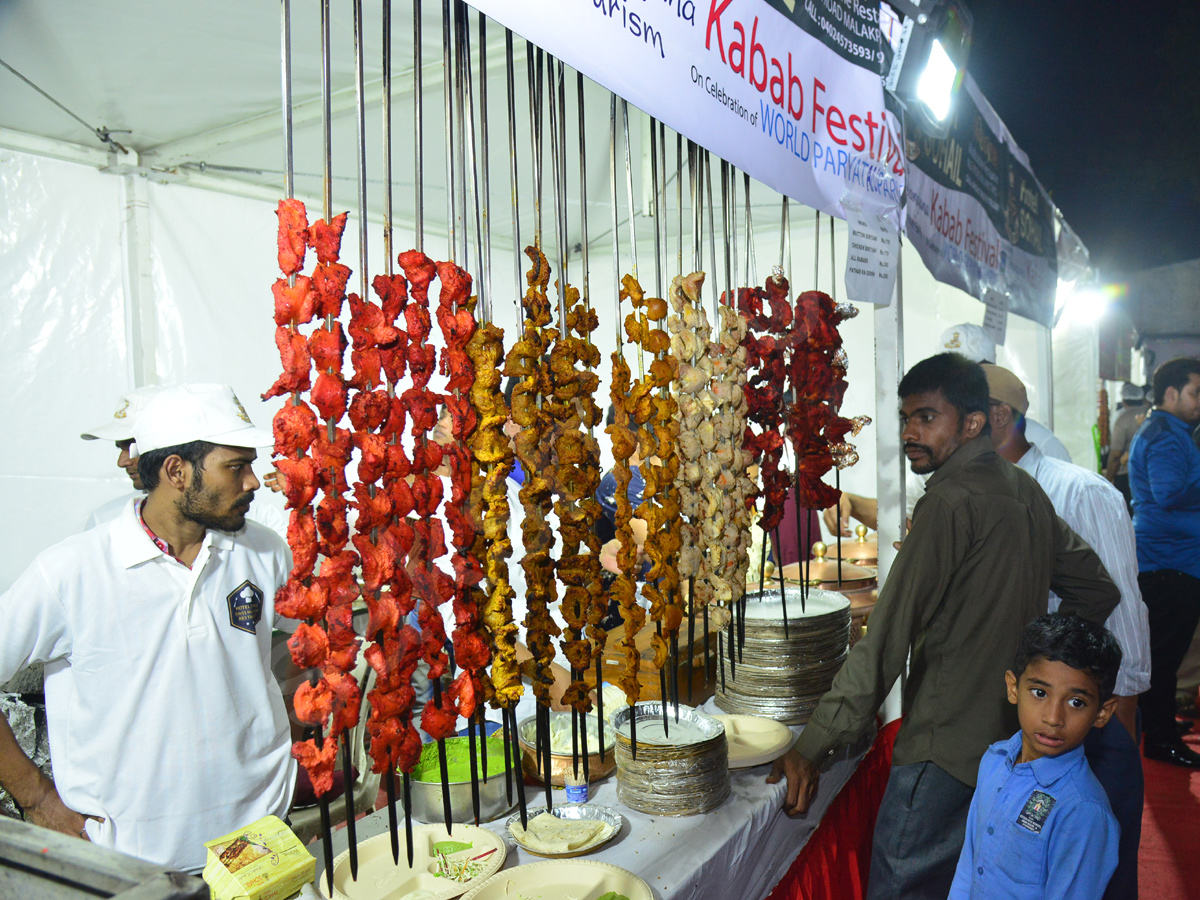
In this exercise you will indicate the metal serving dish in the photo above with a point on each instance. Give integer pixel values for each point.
(560, 763)
(493, 795)
(610, 817)
(693, 726)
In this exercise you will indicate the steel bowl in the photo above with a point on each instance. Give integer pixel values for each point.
(493, 794)
(560, 763)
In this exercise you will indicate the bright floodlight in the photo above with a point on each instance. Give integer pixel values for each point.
(1090, 305)
(936, 84)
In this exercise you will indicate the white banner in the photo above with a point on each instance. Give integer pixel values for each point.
(743, 80)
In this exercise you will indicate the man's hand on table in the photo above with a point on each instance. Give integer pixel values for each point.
(802, 776)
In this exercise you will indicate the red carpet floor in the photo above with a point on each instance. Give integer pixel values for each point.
(1169, 859)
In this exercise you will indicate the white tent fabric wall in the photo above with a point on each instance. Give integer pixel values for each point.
(64, 349)
(1076, 387)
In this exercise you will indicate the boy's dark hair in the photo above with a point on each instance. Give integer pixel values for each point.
(1074, 641)
(962, 382)
(150, 463)
(1174, 373)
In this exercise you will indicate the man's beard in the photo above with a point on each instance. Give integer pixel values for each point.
(930, 465)
(199, 505)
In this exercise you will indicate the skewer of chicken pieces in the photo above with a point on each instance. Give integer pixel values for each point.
(624, 588)
(464, 513)
(535, 452)
(490, 447)
(725, 532)
(328, 639)
(657, 434)
(576, 477)
(699, 471)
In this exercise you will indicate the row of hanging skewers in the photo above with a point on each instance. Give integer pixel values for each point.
(686, 412)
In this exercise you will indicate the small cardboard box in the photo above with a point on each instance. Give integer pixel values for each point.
(263, 861)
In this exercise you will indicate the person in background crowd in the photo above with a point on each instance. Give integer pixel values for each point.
(166, 725)
(1046, 830)
(1096, 512)
(973, 343)
(120, 430)
(606, 493)
(984, 552)
(1164, 476)
(1129, 419)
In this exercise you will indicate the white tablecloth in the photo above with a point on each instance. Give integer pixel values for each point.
(741, 849)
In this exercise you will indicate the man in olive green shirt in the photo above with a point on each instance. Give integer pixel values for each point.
(984, 551)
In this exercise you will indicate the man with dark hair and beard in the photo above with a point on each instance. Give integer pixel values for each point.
(984, 552)
(167, 727)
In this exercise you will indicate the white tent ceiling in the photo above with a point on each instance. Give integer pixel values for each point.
(195, 90)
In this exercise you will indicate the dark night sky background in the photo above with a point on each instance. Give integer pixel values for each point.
(1105, 99)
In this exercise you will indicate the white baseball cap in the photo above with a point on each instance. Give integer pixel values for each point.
(197, 412)
(129, 407)
(969, 341)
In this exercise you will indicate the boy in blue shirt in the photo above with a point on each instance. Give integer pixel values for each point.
(1040, 824)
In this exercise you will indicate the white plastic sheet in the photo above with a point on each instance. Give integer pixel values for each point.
(63, 352)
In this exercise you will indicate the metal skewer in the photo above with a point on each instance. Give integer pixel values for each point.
(657, 209)
(444, 767)
(510, 715)
(508, 761)
(512, 170)
(467, 135)
(837, 483)
(485, 295)
(725, 231)
(616, 235)
(462, 53)
(419, 142)
(598, 648)
(474, 761)
(448, 80)
(327, 196)
(733, 223)
(750, 261)
(408, 826)
(629, 190)
(679, 195)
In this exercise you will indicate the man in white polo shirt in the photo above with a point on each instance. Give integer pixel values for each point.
(166, 725)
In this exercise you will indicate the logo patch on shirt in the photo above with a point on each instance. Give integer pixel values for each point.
(245, 606)
(1037, 808)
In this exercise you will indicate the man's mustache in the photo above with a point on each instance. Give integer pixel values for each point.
(927, 450)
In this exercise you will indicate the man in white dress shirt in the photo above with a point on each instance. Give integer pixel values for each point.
(1096, 511)
(167, 727)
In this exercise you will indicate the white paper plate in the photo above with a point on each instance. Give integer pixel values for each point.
(381, 879)
(559, 879)
(754, 740)
(610, 817)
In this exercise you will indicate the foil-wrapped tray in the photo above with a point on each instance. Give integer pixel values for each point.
(682, 772)
(613, 821)
(783, 670)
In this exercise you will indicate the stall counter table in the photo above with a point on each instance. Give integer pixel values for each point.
(744, 848)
